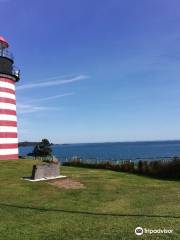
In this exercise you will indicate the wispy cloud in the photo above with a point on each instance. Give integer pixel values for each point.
(27, 108)
(52, 82)
(51, 97)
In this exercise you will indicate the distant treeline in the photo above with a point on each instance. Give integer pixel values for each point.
(27, 144)
(168, 169)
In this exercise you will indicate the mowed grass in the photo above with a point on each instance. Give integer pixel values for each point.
(111, 206)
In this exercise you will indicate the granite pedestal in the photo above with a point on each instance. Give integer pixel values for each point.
(45, 171)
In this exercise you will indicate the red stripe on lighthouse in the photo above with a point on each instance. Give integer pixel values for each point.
(7, 111)
(7, 100)
(8, 135)
(7, 90)
(9, 157)
(8, 145)
(7, 80)
(8, 123)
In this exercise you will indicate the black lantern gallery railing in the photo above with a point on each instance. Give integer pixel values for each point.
(16, 72)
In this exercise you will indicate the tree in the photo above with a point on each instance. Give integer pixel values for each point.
(43, 149)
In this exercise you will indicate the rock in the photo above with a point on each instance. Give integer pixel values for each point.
(45, 170)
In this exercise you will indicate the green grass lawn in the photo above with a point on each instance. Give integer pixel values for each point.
(110, 207)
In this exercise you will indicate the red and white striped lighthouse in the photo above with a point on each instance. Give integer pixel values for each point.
(9, 75)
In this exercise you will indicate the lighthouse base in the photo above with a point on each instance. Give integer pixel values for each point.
(9, 157)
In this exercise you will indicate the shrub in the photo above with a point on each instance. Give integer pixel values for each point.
(160, 169)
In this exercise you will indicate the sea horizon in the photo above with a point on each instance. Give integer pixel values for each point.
(114, 151)
(131, 141)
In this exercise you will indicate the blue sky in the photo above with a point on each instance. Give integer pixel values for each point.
(95, 71)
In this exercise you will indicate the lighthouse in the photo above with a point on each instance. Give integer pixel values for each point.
(9, 75)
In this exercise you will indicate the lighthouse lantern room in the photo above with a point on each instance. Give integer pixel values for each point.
(9, 75)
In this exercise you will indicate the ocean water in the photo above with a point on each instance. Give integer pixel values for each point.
(115, 151)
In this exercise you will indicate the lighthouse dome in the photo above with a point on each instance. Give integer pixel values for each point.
(3, 42)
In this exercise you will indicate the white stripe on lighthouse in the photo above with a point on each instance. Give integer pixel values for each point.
(8, 151)
(7, 95)
(7, 85)
(8, 117)
(8, 129)
(8, 140)
(7, 106)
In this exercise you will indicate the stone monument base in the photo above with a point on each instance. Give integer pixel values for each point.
(43, 179)
(45, 171)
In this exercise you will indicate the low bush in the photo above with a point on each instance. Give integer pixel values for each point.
(169, 169)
